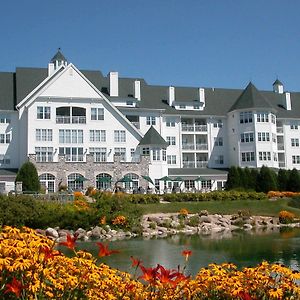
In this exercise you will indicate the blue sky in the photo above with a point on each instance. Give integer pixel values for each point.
(210, 43)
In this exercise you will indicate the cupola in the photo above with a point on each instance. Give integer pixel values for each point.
(278, 86)
(57, 61)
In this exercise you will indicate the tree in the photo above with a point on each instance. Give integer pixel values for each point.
(282, 179)
(232, 179)
(293, 184)
(29, 177)
(266, 180)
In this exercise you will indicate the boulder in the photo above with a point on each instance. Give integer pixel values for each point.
(52, 233)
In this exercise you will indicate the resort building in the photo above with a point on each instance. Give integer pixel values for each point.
(81, 128)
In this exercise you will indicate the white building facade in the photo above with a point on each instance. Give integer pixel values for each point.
(82, 129)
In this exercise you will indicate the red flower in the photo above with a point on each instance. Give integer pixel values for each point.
(149, 274)
(166, 275)
(244, 296)
(14, 287)
(135, 262)
(70, 243)
(104, 251)
(49, 253)
(186, 253)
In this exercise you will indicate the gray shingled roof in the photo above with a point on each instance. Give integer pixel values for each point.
(7, 91)
(58, 57)
(153, 138)
(251, 98)
(277, 82)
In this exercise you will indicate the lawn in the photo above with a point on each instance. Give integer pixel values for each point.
(254, 207)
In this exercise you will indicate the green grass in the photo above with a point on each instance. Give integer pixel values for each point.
(255, 207)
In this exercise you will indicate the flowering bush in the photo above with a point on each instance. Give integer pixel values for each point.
(119, 220)
(81, 205)
(183, 212)
(286, 217)
(277, 194)
(31, 268)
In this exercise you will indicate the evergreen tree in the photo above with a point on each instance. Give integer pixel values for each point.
(29, 177)
(232, 179)
(293, 183)
(266, 180)
(254, 179)
(241, 180)
(282, 179)
(247, 179)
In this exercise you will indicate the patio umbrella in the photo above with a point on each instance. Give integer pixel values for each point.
(80, 179)
(178, 178)
(165, 178)
(200, 179)
(104, 179)
(148, 179)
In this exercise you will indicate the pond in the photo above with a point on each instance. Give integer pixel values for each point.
(243, 248)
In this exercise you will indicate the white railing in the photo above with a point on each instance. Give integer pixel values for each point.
(68, 119)
(279, 129)
(188, 146)
(74, 158)
(201, 164)
(201, 127)
(280, 146)
(188, 164)
(188, 127)
(201, 147)
(78, 119)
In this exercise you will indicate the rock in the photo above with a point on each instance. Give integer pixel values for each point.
(205, 219)
(96, 232)
(63, 232)
(51, 232)
(81, 234)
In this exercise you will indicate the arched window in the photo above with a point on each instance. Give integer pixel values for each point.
(103, 181)
(75, 181)
(134, 183)
(48, 182)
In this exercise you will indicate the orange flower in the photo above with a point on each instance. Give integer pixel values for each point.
(49, 253)
(244, 295)
(166, 276)
(70, 243)
(149, 274)
(104, 251)
(14, 287)
(186, 253)
(135, 262)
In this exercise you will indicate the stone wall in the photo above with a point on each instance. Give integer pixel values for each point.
(90, 169)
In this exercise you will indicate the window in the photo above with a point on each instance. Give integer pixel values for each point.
(171, 140)
(182, 106)
(263, 136)
(120, 136)
(44, 154)
(43, 135)
(247, 137)
(97, 113)
(218, 141)
(218, 124)
(196, 106)
(99, 154)
(71, 153)
(121, 152)
(43, 112)
(262, 117)
(103, 181)
(129, 102)
(48, 182)
(275, 156)
(264, 155)
(164, 154)
(146, 151)
(294, 125)
(296, 159)
(68, 136)
(189, 184)
(206, 184)
(219, 160)
(74, 184)
(97, 136)
(247, 156)
(170, 122)
(273, 119)
(151, 120)
(295, 142)
(134, 184)
(156, 154)
(4, 119)
(246, 117)
(4, 160)
(171, 159)
(274, 138)
(5, 138)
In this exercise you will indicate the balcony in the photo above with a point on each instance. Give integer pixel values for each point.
(188, 164)
(201, 147)
(188, 146)
(188, 127)
(280, 146)
(201, 164)
(279, 129)
(281, 164)
(69, 120)
(201, 128)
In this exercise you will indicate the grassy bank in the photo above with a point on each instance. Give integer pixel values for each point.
(254, 207)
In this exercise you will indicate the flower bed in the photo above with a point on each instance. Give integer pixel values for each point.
(31, 268)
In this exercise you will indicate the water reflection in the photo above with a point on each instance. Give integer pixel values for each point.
(244, 248)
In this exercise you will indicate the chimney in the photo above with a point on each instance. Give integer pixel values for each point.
(51, 69)
(171, 95)
(278, 87)
(287, 101)
(113, 84)
(202, 96)
(137, 90)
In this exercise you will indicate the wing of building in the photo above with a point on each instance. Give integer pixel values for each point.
(81, 128)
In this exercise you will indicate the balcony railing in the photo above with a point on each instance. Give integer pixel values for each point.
(200, 127)
(68, 120)
(281, 164)
(188, 146)
(74, 158)
(188, 164)
(188, 127)
(201, 147)
(194, 127)
(280, 146)
(201, 164)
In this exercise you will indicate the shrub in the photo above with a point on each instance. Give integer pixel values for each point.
(286, 217)
(29, 177)
(193, 221)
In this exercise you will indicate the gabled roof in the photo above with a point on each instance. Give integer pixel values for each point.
(153, 138)
(58, 57)
(251, 98)
(277, 82)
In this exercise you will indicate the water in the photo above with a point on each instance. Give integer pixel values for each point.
(241, 248)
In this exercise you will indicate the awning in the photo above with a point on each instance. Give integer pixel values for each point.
(80, 179)
(148, 179)
(165, 178)
(104, 179)
(200, 179)
(178, 178)
(125, 179)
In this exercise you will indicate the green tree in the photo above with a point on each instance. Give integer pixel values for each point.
(232, 179)
(253, 179)
(282, 179)
(266, 180)
(293, 183)
(29, 177)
